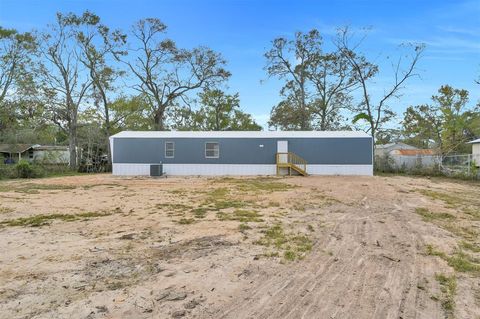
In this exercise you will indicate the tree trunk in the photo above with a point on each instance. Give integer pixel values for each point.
(73, 147)
(107, 127)
(304, 111)
(158, 118)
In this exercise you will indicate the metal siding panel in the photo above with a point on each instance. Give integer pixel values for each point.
(334, 151)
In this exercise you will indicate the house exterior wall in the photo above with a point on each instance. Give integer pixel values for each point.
(476, 153)
(329, 151)
(241, 156)
(51, 156)
(476, 149)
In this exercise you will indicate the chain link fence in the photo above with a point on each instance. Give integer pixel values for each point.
(463, 165)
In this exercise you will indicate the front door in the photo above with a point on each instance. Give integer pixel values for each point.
(282, 148)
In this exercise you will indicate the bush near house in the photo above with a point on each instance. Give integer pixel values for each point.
(24, 169)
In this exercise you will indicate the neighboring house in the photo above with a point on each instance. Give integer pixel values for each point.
(242, 153)
(47, 154)
(384, 149)
(476, 151)
(411, 158)
(51, 154)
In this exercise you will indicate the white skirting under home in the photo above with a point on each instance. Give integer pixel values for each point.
(237, 169)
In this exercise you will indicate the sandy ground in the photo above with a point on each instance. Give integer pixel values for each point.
(343, 247)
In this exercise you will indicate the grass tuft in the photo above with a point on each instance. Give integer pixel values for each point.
(429, 216)
(294, 246)
(31, 188)
(241, 215)
(459, 261)
(448, 287)
(41, 220)
(186, 221)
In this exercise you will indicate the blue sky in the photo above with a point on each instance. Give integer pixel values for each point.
(242, 30)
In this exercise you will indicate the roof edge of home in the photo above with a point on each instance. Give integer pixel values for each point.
(239, 134)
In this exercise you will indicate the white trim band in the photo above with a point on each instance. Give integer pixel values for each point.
(236, 169)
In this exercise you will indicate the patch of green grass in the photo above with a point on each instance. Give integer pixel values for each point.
(220, 198)
(294, 246)
(243, 227)
(272, 254)
(186, 221)
(467, 233)
(289, 255)
(470, 246)
(273, 204)
(41, 220)
(459, 261)
(199, 212)
(108, 185)
(218, 193)
(5, 210)
(261, 184)
(429, 216)
(449, 199)
(474, 213)
(32, 188)
(224, 204)
(179, 191)
(463, 262)
(448, 287)
(241, 215)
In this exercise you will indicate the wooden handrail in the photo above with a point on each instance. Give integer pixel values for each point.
(289, 158)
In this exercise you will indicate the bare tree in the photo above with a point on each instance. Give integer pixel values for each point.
(64, 82)
(376, 113)
(97, 45)
(166, 72)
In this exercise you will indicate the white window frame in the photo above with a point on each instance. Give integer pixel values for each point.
(218, 146)
(173, 150)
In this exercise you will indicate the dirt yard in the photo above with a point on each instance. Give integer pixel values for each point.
(317, 247)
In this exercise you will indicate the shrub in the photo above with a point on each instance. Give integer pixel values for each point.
(7, 171)
(26, 170)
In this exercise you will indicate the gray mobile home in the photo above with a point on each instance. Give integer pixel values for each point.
(242, 153)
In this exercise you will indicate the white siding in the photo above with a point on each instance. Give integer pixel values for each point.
(237, 169)
(476, 149)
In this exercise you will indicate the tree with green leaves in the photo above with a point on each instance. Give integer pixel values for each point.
(221, 112)
(288, 60)
(130, 113)
(166, 73)
(318, 84)
(447, 123)
(16, 50)
(218, 112)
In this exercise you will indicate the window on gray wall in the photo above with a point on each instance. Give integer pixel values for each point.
(212, 150)
(169, 149)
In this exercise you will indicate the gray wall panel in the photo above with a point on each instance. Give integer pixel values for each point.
(243, 150)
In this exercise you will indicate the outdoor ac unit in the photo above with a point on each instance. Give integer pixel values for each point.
(156, 170)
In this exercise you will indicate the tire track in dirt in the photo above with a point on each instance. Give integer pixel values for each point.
(374, 272)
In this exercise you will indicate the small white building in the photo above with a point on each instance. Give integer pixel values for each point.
(45, 154)
(476, 151)
(385, 149)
